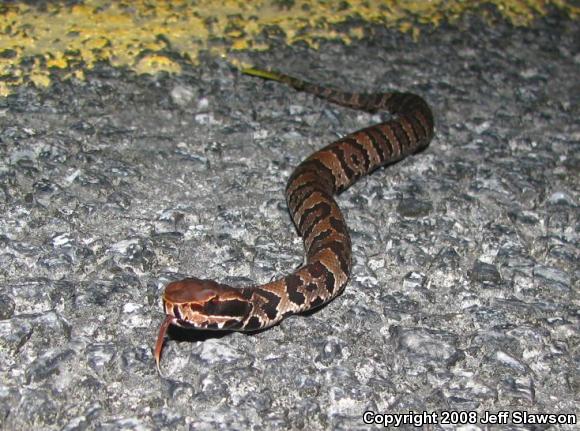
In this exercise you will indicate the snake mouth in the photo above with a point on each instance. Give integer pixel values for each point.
(167, 322)
(191, 316)
(195, 316)
(195, 321)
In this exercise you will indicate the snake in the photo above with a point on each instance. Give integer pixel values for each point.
(209, 305)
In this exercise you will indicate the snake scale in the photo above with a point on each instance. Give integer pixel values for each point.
(209, 305)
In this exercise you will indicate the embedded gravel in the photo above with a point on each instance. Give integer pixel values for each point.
(464, 294)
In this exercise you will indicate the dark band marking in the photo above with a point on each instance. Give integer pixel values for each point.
(312, 287)
(338, 250)
(306, 188)
(293, 282)
(253, 324)
(316, 269)
(383, 141)
(322, 206)
(270, 307)
(338, 225)
(360, 150)
(416, 126)
(330, 282)
(379, 149)
(401, 138)
(313, 227)
(231, 307)
(339, 153)
(316, 303)
(318, 238)
(322, 171)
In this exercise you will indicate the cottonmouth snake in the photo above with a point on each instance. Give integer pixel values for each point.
(206, 304)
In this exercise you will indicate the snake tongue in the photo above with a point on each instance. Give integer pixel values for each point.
(160, 339)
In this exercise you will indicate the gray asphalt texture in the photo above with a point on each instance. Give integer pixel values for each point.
(464, 294)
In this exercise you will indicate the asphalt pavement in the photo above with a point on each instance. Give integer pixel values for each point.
(464, 293)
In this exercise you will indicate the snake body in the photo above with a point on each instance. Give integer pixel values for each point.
(208, 305)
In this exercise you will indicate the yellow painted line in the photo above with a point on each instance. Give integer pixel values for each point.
(145, 35)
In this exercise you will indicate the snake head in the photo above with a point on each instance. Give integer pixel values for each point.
(205, 304)
(201, 304)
